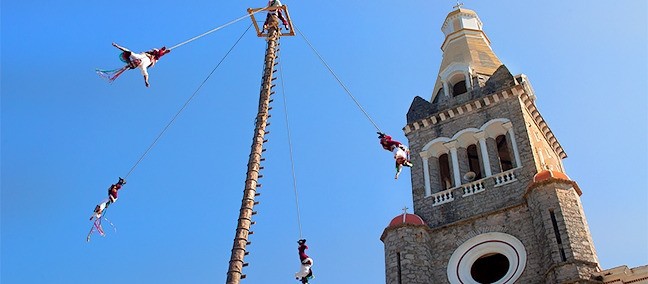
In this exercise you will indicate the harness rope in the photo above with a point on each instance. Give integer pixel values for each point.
(292, 161)
(338, 79)
(215, 29)
(186, 103)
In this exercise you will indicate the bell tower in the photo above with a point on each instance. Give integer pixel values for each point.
(488, 183)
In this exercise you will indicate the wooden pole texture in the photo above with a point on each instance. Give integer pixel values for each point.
(236, 263)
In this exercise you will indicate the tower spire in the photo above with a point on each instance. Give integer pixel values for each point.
(466, 53)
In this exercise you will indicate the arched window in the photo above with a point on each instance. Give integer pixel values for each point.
(473, 161)
(503, 153)
(459, 88)
(444, 172)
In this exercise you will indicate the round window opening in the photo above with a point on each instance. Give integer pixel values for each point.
(490, 268)
(492, 257)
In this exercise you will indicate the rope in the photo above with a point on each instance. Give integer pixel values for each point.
(186, 103)
(338, 79)
(292, 161)
(215, 29)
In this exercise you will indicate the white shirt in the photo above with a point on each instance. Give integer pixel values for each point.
(144, 60)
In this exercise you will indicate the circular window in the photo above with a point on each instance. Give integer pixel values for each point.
(487, 258)
(490, 268)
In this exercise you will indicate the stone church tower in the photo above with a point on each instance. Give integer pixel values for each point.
(492, 201)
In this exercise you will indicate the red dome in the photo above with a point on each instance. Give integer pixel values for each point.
(406, 219)
(544, 175)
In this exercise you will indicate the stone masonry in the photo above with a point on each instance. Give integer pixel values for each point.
(530, 214)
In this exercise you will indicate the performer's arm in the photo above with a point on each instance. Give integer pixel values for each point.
(120, 47)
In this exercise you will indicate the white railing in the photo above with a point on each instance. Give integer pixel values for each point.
(442, 197)
(474, 187)
(504, 178)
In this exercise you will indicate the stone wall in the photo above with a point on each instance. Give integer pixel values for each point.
(514, 221)
(407, 254)
(511, 109)
(578, 260)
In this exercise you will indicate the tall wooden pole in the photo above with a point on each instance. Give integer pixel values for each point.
(236, 263)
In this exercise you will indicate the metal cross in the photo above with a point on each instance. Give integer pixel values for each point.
(458, 5)
(404, 213)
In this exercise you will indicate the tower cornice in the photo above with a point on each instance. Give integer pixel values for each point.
(465, 32)
(464, 109)
(476, 104)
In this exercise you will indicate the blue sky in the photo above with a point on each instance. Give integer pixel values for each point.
(67, 134)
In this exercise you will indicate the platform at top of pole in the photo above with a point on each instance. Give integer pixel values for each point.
(261, 32)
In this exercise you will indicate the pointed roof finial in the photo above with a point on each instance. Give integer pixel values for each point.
(458, 6)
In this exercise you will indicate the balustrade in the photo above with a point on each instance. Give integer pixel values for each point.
(442, 197)
(474, 187)
(504, 178)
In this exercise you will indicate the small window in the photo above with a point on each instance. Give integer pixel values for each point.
(444, 172)
(473, 161)
(459, 88)
(503, 153)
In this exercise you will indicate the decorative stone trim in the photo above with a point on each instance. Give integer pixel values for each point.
(542, 125)
(547, 181)
(570, 262)
(403, 225)
(636, 280)
(465, 256)
(461, 110)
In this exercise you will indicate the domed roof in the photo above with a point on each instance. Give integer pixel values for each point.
(463, 10)
(406, 219)
(547, 174)
(552, 177)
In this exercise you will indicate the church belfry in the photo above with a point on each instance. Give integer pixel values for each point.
(492, 202)
(467, 55)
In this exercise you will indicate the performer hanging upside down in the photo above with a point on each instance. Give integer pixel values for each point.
(113, 190)
(401, 153)
(143, 60)
(98, 211)
(277, 12)
(305, 272)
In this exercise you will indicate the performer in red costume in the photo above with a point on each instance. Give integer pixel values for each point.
(401, 152)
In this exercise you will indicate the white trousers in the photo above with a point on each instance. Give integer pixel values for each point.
(305, 268)
(399, 153)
